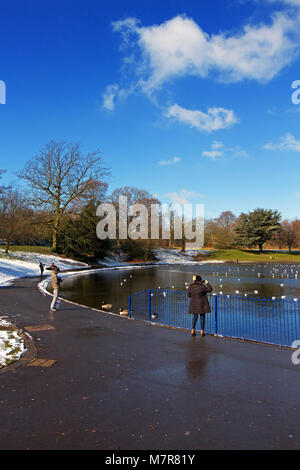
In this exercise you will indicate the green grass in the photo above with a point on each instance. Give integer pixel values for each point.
(42, 250)
(12, 252)
(251, 256)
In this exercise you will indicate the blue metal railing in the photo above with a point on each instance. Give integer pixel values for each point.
(266, 320)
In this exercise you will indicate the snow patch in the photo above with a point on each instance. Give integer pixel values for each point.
(165, 256)
(12, 345)
(171, 256)
(21, 264)
(111, 261)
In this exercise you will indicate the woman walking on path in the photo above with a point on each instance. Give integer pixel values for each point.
(55, 282)
(199, 304)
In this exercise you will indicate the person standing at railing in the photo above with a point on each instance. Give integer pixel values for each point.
(199, 304)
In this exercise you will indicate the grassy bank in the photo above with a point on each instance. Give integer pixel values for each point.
(41, 250)
(251, 256)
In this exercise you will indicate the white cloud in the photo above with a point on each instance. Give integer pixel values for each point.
(287, 143)
(238, 152)
(294, 110)
(219, 150)
(217, 144)
(215, 150)
(180, 46)
(298, 194)
(213, 120)
(287, 2)
(173, 161)
(212, 154)
(182, 197)
(109, 97)
(126, 27)
(177, 198)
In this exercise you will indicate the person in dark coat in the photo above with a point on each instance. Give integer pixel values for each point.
(41, 268)
(199, 305)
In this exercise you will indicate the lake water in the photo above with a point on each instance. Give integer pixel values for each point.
(113, 286)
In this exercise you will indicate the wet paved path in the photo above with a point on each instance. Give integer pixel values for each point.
(121, 384)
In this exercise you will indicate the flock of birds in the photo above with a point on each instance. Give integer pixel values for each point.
(107, 307)
(264, 271)
(261, 271)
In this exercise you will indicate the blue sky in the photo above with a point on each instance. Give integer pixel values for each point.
(189, 100)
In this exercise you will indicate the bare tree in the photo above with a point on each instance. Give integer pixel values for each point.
(134, 196)
(2, 187)
(219, 232)
(60, 177)
(226, 219)
(288, 236)
(15, 217)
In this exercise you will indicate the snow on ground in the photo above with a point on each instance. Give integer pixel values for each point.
(63, 263)
(171, 256)
(21, 264)
(166, 256)
(12, 345)
(111, 261)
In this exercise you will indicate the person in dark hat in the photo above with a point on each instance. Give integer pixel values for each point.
(199, 305)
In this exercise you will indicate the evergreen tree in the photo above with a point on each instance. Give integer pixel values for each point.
(257, 227)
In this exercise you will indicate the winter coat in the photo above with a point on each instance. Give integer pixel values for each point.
(54, 279)
(197, 291)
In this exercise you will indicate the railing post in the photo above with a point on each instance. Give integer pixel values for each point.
(216, 315)
(149, 305)
(129, 306)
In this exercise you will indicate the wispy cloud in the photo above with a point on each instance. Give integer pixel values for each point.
(295, 3)
(288, 142)
(218, 150)
(213, 120)
(109, 96)
(173, 161)
(181, 197)
(294, 110)
(272, 111)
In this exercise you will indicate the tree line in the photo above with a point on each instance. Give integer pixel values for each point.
(60, 189)
(259, 228)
